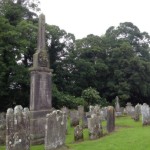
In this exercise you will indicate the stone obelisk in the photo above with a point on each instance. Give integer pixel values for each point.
(40, 87)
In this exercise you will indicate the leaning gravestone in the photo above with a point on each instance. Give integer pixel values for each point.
(95, 127)
(110, 119)
(18, 129)
(145, 111)
(78, 133)
(40, 87)
(74, 118)
(55, 130)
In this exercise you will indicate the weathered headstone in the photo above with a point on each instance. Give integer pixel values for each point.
(18, 129)
(74, 118)
(130, 109)
(55, 130)
(137, 112)
(65, 110)
(104, 113)
(81, 111)
(145, 111)
(78, 133)
(95, 127)
(84, 121)
(40, 87)
(94, 109)
(110, 119)
(117, 105)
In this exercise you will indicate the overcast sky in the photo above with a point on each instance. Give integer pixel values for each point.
(83, 17)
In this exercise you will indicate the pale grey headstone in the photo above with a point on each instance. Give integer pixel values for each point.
(145, 111)
(55, 130)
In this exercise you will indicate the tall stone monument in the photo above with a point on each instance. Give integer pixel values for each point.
(40, 87)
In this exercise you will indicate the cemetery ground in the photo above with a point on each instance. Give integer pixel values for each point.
(128, 135)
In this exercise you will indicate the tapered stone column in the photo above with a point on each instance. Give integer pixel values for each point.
(40, 87)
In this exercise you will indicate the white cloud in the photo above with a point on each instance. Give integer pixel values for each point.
(83, 17)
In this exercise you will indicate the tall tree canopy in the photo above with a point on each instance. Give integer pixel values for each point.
(114, 64)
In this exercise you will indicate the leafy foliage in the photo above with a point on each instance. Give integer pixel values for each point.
(115, 64)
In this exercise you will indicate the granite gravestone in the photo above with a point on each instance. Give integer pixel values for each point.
(40, 87)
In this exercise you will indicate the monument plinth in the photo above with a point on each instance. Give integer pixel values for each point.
(40, 87)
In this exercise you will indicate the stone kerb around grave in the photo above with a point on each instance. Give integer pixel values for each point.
(55, 130)
(18, 129)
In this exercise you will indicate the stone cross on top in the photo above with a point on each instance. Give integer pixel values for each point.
(41, 33)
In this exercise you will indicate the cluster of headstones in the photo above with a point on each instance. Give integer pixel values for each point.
(18, 129)
(135, 112)
(92, 120)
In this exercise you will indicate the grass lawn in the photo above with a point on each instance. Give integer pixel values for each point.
(129, 135)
